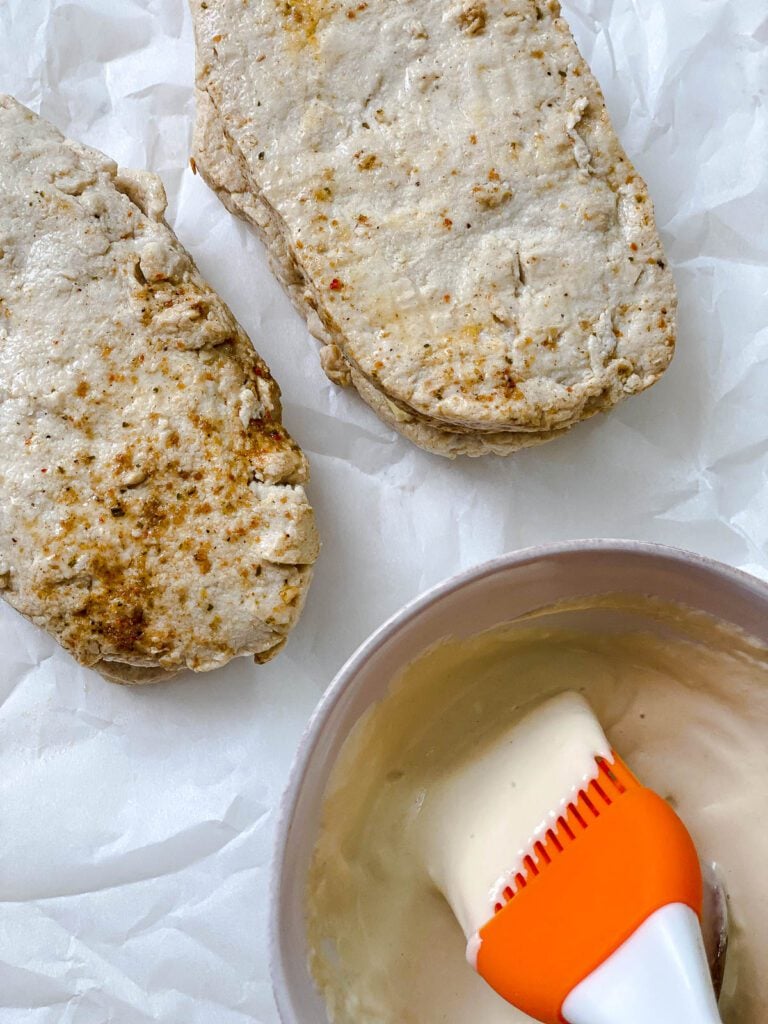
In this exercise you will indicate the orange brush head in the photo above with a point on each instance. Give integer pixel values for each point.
(616, 856)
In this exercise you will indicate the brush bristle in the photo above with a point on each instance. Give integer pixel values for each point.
(596, 799)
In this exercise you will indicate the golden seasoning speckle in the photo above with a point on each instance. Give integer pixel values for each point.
(368, 162)
(473, 18)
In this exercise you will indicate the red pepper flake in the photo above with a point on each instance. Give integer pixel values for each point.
(336, 285)
(43, 470)
(633, 246)
(447, 222)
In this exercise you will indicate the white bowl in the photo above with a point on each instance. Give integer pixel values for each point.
(490, 595)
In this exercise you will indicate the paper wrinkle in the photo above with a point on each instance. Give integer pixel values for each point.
(137, 825)
(149, 862)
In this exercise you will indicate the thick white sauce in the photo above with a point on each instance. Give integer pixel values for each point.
(684, 701)
(482, 819)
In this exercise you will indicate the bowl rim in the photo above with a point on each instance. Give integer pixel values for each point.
(383, 633)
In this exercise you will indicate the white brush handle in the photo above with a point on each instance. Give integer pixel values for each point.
(658, 976)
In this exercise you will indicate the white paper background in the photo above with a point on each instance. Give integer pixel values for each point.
(135, 825)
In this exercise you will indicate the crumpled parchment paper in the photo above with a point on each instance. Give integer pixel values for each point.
(135, 825)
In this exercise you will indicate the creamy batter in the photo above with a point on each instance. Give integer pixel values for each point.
(682, 699)
(482, 819)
